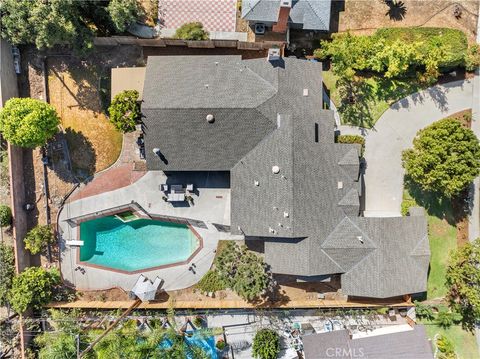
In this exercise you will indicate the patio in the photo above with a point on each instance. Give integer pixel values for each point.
(211, 204)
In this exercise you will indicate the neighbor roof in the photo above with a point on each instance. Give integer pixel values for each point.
(407, 344)
(312, 14)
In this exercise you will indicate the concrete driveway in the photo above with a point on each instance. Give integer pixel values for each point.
(394, 132)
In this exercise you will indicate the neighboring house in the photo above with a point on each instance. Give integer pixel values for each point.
(279, 15)
(339, 344)
(294, 191)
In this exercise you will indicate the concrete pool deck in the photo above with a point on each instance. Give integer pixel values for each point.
(211, 205)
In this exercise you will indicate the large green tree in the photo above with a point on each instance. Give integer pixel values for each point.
(64, 22)
(7, 271)
(445, 158)
(33, 288)
(27, 122)
(463, 282)
(243, 271)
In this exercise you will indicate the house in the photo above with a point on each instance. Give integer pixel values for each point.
(295, 193)
(280, 15)
(339, 344)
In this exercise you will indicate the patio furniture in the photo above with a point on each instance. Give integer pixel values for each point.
(176, 194)
(164, 187)
(74, 243)
(190, 187)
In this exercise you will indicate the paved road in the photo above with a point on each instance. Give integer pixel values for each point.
(394, 132)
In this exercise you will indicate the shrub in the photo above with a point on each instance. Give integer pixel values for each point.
(266, 344)
(356, 139)
(7, 271)
(424, 311)
(27, 122)
(5, 215)
(33, 288)
(472, 58)
(445, 346)
(123, 13)
(191, 31)
(446, 318)
(211, 282)
(445, 158)
(220, 345)
(462, 278)
(125, 111)
(37, 238)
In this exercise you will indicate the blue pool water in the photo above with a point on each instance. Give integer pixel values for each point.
(135, 245)
(207, 344)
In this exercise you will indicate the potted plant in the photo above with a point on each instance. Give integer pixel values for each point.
(220, 344)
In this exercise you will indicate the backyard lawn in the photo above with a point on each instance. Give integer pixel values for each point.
(93, 142)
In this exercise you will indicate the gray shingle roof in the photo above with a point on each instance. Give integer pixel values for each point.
(307, 214)
(311, 14)
(408, 344)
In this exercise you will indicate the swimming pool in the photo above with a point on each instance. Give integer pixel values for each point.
(135, 245)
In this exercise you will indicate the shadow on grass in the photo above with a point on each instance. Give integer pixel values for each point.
(453, 210)
(82, 154)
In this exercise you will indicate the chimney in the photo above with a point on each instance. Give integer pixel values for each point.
(283, 15)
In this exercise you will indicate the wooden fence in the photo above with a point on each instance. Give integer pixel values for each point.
(233, 44)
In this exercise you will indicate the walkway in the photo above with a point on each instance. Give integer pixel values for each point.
(394, 132)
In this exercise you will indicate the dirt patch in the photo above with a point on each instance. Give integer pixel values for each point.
(464, 117)
(363, 17)
(114, 294)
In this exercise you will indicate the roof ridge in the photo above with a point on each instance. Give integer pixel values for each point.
(412, 253)
(265, 81)
(252, 7)
(313, 10)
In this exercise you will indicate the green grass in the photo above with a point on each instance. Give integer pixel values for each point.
(442, 235)
(376, 94)
(463, 341)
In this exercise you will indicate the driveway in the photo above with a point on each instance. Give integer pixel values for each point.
(394, 132)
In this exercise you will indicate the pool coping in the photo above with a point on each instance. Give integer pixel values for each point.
(140, 215)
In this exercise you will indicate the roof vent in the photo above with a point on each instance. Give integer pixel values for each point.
(156, 151)
(275, 169)
(216, 63)
(360, 239)
(280, 225)
(339, 184)
(206, 86)
(285, 214)
(271, 230)
(274, 54)
(210, 118)
(305, 92)
(256, 183)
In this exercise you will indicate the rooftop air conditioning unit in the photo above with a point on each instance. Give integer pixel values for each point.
(260, 29)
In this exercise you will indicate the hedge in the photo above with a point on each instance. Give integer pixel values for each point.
(453, 41)
(351, 139)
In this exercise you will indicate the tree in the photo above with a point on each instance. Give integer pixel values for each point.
(125, 110)
(5, 215)
(463, 282)
(445, 158)
(38, 238)
(123, 13)
(266, 344)
(7, 271)
(27, 122)
(446, 318)
(33, 288)
(191, 31)
(243, 271)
